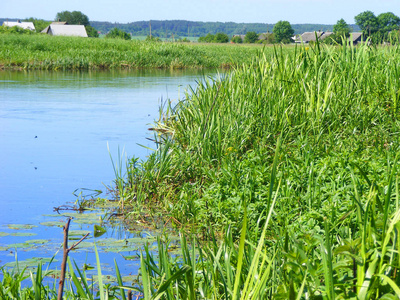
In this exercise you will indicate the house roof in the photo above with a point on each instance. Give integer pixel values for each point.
(66, 30)
(356, 36)
(307, 37)
(24, 25)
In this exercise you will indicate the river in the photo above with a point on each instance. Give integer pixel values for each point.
(55, 129)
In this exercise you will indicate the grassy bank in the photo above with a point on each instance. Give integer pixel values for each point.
(294, 157)
(67, 53)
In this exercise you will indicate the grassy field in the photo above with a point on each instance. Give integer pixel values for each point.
(67, 53)
(292, 162)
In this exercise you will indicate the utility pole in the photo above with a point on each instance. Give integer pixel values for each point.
(150, 28)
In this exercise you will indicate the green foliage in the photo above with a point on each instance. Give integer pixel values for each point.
(200, 29)
(283, 32)
(73, 53)
(15, 30)
(251, 37)
(39, 23)
(378, 28)
(91, 31)
(118, 34)
(74, 17)
(152, 39)
(209, 38)
(237, 40)
(341, 29)
(311, 160)
(221, 37)
(368, 22)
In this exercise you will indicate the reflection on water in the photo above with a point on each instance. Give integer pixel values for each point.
(54, 130)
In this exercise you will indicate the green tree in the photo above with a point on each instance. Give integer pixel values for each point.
(221, 37)
(237, 39)
(39, 23)
(209, 38)
(251, 37)
(341, 29)
(73, 18)
(283, 31)
(91, 31)
(368, 22)
(388, 22)
(116, 33)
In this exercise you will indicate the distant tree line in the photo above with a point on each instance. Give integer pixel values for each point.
(179, 28)
(381, 28)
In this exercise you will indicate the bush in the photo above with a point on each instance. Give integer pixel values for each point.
(221, 37)
(116, 33)
(14, 30)
(251, 37)
(237, 40)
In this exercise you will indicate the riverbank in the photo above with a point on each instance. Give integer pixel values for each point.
(294, 158)
(71, 53)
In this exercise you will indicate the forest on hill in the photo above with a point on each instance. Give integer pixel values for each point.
(182, 28)
(197, 29)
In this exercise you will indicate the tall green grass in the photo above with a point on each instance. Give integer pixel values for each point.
(333, 226)
(72, 53)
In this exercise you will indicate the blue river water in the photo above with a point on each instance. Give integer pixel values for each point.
(55, 130)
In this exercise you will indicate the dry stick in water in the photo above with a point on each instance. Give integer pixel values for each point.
(65, 257)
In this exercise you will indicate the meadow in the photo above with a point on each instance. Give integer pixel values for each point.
(282, 176)
(71, 53)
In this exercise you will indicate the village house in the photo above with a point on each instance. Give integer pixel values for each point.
(62, 28)
(24, 25)
(308, 37)
(311, 36)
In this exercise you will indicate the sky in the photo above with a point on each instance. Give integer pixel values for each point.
(239, 11)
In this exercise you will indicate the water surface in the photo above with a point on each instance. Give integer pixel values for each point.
(54, 131)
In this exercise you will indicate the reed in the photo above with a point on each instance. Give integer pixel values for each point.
(335, 217)
(71, 53)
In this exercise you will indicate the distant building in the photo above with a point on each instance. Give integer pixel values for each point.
(61, 28)
(24, 25)
(356, 37)
(307, 37)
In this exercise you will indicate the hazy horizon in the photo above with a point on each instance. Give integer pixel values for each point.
(237, 11)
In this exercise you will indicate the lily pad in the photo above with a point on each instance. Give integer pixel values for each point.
(21, 226)
(53, 223)
(4, 233)
(20, 245)
(30, 262)
(98, 231)
(23, 234)
(37, 242)
(77, 232)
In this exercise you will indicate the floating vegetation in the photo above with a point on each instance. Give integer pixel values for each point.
(23, 234)
(53, 223)
(21, 226)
